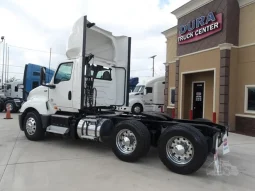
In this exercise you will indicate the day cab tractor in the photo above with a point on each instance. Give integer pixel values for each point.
(79, 99)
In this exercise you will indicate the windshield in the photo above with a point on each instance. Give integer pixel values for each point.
(138, 89)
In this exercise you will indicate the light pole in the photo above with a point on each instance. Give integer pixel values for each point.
(153, 57)
(6, 56)
(8, 64)
(3, 41)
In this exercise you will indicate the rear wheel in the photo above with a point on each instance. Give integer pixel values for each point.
(32, 126)
(11, 105)
(131, 140)
(182, 149)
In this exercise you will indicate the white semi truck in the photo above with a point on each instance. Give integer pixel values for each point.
(146, 98)
(78, 101)
(11, 96)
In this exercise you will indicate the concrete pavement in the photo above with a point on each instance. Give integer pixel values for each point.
(63, 164)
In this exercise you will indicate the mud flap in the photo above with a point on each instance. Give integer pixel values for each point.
(216, 157)
(226, 149)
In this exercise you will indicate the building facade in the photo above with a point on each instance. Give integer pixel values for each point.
(210, 63)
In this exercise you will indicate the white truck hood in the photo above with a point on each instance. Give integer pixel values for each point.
(40, 91)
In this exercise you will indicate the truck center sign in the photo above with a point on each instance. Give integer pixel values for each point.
(200, 28)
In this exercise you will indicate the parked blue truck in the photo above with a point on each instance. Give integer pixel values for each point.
(31, 80)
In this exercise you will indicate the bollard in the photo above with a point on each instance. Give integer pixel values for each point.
(162, 109)
(214, 117)
(190, 114)
(173, 113)
(8, 112)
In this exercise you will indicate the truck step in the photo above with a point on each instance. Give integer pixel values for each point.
(61, 116)
(57, 129)
(60, 120)
(89, 137)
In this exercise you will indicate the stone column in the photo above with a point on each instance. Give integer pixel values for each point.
(225, 51)
(166, 87)
(177, 87)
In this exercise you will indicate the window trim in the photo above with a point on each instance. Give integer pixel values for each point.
(170, 97)
(58, 70)
(246, 99)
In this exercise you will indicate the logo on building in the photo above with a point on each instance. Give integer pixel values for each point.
(200, 28)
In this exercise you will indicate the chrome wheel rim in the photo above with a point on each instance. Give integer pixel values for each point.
(9, 105)
(179, 150)
(137, 109)
(31, 126)
(126, 141)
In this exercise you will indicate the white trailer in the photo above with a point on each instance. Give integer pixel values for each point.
(93, 80)
(147, 98)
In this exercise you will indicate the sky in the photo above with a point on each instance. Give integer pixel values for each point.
(32, 27)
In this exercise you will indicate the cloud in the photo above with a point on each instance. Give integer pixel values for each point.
(45, 24)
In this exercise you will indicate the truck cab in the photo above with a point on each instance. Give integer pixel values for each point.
(31, 78)
(94, 57)
(11, 96)
(148, 97)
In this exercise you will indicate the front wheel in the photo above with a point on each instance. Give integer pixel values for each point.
(131, 140)
(183, 149)
(137, 108)
(32, 126)
(10, 105)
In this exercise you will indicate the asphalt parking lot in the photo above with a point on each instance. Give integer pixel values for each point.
(63, 164)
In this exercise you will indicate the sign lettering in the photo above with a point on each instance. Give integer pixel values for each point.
(200, 28)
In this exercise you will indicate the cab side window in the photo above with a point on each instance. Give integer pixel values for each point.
(148, 90)
(103, 73)
(64, 73)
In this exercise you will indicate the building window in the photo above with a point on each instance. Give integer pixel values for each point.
(171, 96)
(249, 99)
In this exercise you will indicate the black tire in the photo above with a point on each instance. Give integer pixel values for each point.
(199, 145)
(1, 105)
(39, 133)
(13, 106)
(143, 139)
(139, 106)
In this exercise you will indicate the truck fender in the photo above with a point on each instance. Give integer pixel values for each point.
(43, 107)
(135, 101)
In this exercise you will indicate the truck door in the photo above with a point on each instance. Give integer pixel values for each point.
(148, 96)
(61, 95)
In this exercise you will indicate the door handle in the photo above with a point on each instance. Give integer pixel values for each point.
(69, 95)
